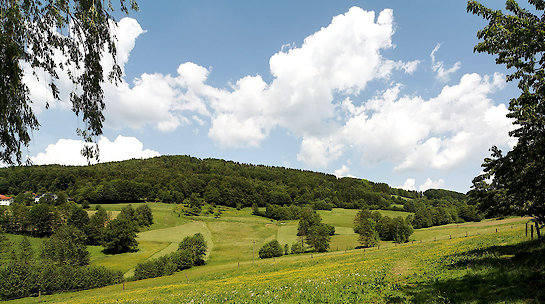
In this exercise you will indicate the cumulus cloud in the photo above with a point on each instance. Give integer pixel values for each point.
(343, 171)
(315, 95)
(67, 151)
(438, 67)
(415, 133)
(429, 184)
(409, 185)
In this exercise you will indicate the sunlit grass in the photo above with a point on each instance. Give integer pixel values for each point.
(489, 267)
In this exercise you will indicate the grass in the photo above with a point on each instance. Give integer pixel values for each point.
(486, 268)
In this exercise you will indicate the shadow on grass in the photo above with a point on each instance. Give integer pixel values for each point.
(497, 274)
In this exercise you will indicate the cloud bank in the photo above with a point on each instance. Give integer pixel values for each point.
(67, 151)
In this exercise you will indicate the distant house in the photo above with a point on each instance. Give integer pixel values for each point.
(5, 200)
(51, 195)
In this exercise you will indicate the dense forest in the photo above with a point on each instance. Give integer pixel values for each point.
(178, 179)
(172, 179)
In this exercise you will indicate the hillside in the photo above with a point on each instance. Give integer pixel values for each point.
(176, 178)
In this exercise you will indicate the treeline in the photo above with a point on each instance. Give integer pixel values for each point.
(441, 210)
(191, 252)
(173, 179)
(62, 267)
(44, 219)
(373, 226)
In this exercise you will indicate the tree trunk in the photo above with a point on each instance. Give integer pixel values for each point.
(538, 232)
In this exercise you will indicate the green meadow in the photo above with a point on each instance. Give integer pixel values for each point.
(234, 237)
(484, 267)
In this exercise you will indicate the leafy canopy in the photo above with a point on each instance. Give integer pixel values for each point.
(34, 33)
(514, 182)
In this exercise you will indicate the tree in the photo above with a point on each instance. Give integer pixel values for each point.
(127, 213)
(318, 237)
(120, 236)
(297, 248)
(515, 181)
(43, 218)
(66, 247)
(308, 218)
(270, 249)
(368, 235)
(34, 33)
(196, 246)
(95, 229)
(77, 217)
(143, 215)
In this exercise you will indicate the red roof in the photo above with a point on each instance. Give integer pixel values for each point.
(3, 197)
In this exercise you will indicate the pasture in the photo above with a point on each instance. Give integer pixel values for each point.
(461, 269)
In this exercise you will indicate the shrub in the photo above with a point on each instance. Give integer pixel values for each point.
(297, 248)
(271, 249)
(196, 246)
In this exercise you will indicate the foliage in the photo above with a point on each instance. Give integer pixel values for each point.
(22, 276)
(144, 216)
(95, 229)
(77, 217)
(514, 182)
(270, 250)
(43, 219)
(120, 236)
(190, 252)
(66, 247)
(34, 33)
(173, 179)
(316, 234)
(368, 235)
(297, 248)
(372, 226)
(196, 245)
(307, 218)
(318, 237)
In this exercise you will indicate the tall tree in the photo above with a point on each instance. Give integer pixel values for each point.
(34, 33)
(66, 247)
(517, 178)
(120, 236)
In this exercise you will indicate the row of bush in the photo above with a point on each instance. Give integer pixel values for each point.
(274, 249)
(191, 252)
(22, 275)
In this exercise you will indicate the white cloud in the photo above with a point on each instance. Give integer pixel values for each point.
(417, 134)
(343, 171)
(429, 184)
(408, 185)
(67, 151)
(443, 73)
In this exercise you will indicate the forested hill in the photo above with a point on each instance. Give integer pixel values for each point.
(175, 178)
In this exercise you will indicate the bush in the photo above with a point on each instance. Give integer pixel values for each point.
(191, 251)
(297, 248)
(144, 216)
(20, 279)
(196, 246)
(120, 236)
(271, 249)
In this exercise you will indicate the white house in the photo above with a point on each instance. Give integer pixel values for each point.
(5, 200)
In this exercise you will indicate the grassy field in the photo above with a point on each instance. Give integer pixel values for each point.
(485, 267)
(237, 235)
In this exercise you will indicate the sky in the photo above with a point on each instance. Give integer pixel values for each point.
(389, 91)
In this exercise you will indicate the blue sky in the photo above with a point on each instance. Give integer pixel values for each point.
(391, 92)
